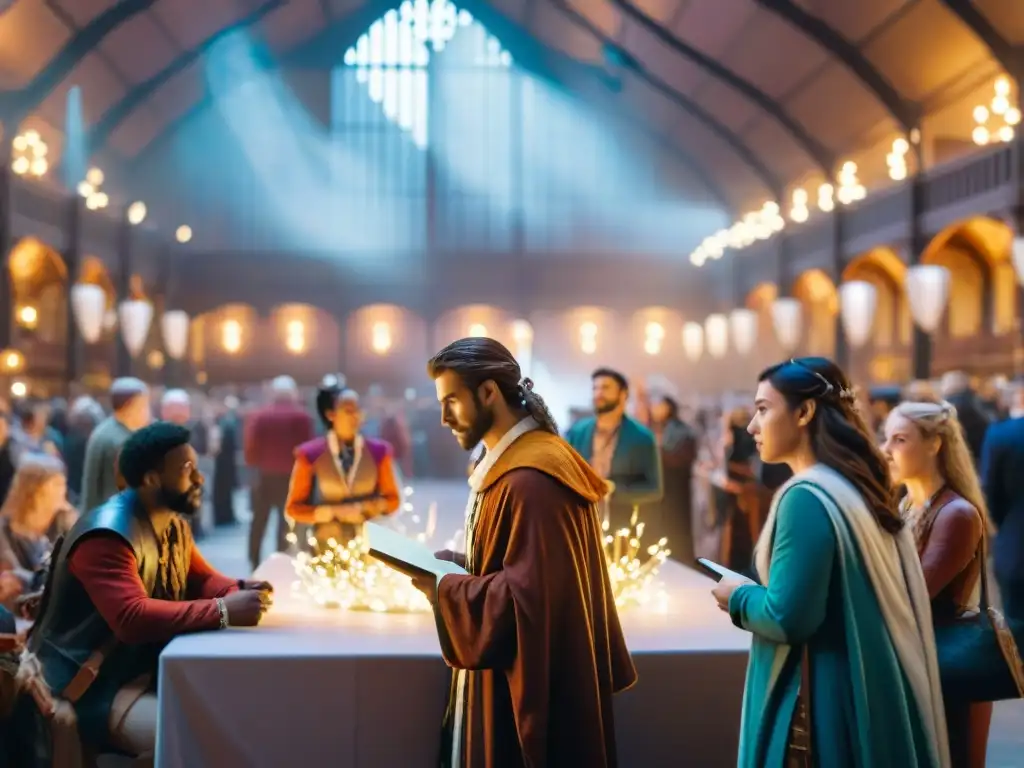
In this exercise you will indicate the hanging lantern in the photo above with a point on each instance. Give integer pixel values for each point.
(927, 294)
(693, 341)
(89, 305)
(743, 329)
(858, 300)
(716, 334)
(135, 316)
(1018, 257)
(174, 329)
(787, 316)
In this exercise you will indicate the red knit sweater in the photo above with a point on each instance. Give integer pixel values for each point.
(106, 566)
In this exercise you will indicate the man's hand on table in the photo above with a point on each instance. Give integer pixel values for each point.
(246, 607)
(259, 586)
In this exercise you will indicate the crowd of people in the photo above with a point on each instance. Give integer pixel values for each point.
(857, 526)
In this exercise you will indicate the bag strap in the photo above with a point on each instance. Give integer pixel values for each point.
(805, 692)
(88, 672)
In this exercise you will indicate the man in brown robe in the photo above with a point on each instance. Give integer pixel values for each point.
(532, 632)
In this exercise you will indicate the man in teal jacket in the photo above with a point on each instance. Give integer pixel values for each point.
(620, 449)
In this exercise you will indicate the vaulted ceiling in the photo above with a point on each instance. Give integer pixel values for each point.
(761, 94)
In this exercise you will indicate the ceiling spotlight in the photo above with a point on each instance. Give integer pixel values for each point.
(184, 233)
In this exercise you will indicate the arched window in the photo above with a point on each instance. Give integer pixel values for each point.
(392, 58)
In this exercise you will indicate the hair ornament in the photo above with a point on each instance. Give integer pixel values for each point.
(525, 385)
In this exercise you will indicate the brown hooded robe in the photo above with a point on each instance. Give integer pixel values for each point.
(536, 622)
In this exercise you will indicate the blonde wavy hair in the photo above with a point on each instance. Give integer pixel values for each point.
(33, 472)
(936, 418)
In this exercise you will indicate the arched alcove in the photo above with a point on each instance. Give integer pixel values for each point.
(760, 300)
(983, 292)
(474, 320)
(655, 333)
(883, 268)
(387, 345)
(222, 343)
(301, 339)
(818, 295)
(39, 286)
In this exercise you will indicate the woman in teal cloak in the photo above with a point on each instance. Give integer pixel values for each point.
(843, 668)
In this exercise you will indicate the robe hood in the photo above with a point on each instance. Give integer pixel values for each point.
(554, 457)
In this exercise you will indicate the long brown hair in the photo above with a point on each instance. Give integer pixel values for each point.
(480, 359)
(839, 436)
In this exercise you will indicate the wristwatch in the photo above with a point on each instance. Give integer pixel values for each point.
(223, 608)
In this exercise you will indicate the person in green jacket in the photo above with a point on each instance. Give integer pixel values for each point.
(843, 668)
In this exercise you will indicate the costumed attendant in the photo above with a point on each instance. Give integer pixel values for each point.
(843, 667)
(945, 510)
(531, 632)
(343, 479)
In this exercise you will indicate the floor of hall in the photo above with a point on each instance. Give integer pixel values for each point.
(226, 549)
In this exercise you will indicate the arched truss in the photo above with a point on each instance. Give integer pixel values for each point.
(768, 178)
(1001, 49)
(15, 105)
(905, 113)
(824, 158)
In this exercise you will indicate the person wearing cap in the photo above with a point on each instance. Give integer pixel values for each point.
(342, 479)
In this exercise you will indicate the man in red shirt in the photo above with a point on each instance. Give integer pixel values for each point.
(125, 581)
(271, 436)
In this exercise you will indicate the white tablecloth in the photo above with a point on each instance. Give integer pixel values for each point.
(346, 689)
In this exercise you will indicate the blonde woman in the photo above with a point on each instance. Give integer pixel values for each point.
(38, 495)
(945, 509)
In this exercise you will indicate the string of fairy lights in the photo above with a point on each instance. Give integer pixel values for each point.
(342, 575)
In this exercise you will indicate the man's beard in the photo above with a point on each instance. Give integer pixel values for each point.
(605, 407)
(472, 436)
(187, 503)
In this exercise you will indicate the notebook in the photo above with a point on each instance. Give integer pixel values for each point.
(406, 555)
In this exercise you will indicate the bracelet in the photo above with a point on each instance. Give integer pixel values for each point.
(223, 608)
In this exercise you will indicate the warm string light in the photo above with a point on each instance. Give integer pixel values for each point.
(335, 575)
(380, 339)
(826, 198)
(29, 155)
(295, 337)
(998, 120)
(850, 189)
(654, 335)
(89, 188)
(588, 338)
(633, 577)
(897, 159)
(231, 336)
(756, 225)
(799, 212)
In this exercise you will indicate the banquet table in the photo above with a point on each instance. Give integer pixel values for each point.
(348, 689)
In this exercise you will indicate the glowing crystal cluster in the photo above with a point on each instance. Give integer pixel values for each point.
(633, 576)
(343, 575)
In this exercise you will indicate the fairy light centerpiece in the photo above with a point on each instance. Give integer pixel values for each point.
(632, 577)
(342, 575)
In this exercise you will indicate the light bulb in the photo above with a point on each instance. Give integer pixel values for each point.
(980, 135)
